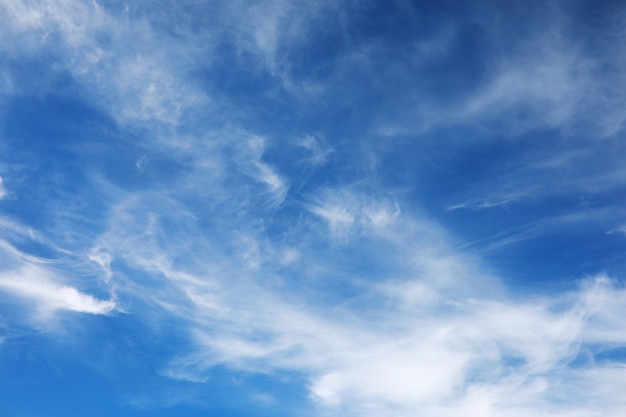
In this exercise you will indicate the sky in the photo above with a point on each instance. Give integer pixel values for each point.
(312, 208)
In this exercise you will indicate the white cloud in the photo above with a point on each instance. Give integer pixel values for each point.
(103, 259)
(3, 191)
(353, 213)
(549, 75)
(547, 83)
(425, 337)
(31, 283)
(252, 164)
(271, 30)
(28, 279)
(502, 360)
(319, 150)
(408, 376)
(620, 230)
(433, 334)
(134, 75)
(605, 303)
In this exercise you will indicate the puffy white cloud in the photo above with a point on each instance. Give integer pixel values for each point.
(420, 373)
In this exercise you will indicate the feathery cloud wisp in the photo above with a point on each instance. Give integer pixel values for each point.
(42, 288)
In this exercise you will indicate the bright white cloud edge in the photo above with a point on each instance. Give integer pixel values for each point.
(41, 288)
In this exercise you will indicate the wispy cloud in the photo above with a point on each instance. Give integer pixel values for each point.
(32, 284)
(252, 164)
(3, 191)
(131, 73)
(542, 86)
(356, 294)
(548, 75)
(474, 363)
(471, 353)
(421, 343)
(318, 149)
(348, 213)
(275, 30)
(36, 284)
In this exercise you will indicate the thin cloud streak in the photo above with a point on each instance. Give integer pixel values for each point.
(252, 164)
(43, 288)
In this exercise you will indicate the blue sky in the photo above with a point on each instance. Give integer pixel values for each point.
(327, 208)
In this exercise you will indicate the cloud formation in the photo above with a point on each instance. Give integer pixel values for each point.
(390, 209)
(414, 343)
(32, 282)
